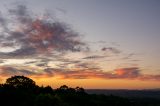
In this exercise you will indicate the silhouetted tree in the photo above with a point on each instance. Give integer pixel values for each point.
(20, 82)
(22, 91)
(80, 90)
(64, 87)
(46, 100)
(46, 90)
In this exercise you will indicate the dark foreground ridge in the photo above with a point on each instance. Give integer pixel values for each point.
(23, 91)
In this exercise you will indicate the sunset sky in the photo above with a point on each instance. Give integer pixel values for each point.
(95, 44)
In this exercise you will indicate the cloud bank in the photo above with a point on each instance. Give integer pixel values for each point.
(83, 72)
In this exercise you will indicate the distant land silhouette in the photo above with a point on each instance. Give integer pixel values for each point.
(147, 93)
(23, 91)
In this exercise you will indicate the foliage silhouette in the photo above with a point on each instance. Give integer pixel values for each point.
(23, 91)
(20, 82)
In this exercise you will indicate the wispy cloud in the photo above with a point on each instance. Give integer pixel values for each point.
(1, 61)
(94, 57)
(83, 71)
(111, 49)
(132, 73)
(9, 71)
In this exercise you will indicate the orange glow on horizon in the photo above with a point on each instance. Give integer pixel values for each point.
(93, 83)
(96, 83)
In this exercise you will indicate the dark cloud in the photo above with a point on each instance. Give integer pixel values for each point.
(42, 64)
(30, 62)
(94, 57)
(87, 66)
(111, 49)
(65, 63)
(8, 71)
(50, 71)
(31, 34)
(19, 53)
(129, 56)
(38, 63)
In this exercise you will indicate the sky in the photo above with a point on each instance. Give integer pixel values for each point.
(94, 44)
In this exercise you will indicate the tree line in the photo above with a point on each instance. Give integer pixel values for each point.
(23, 91)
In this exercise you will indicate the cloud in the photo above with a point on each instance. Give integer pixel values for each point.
(71, 74)
(126, 73)
(129, 56)
(111, 49)
(87, 66)
(2, 20)
(132, 73)
(1, 61)
(20, 53)
(42, 64)
(61, 10)
(150, 77)
(83, 72)
(31, 34)
(30, 62)
(9, 71)
(94, 57)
